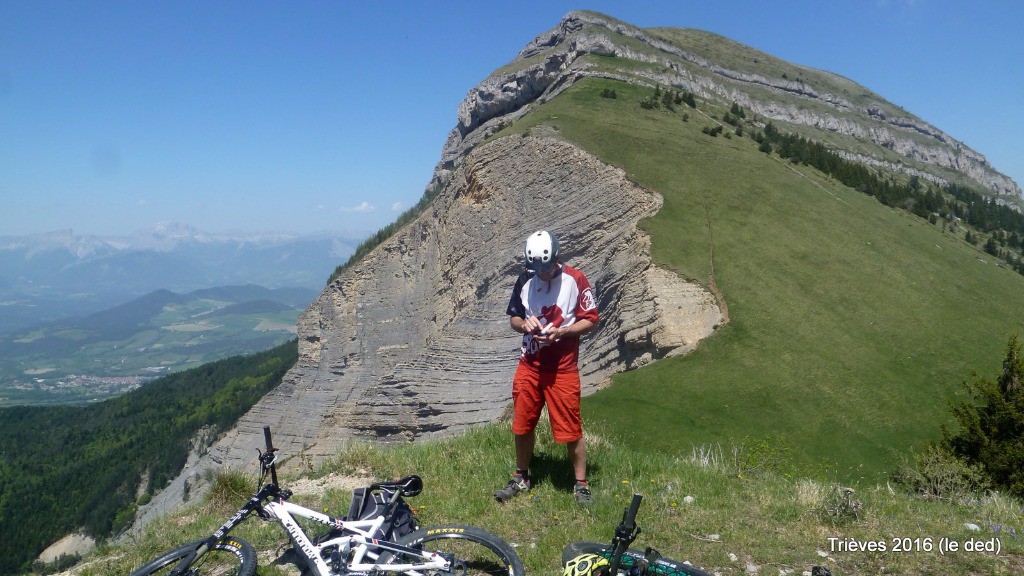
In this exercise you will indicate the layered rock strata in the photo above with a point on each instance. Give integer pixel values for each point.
(413, 341)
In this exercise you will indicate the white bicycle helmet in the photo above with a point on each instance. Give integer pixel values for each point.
(541, 251)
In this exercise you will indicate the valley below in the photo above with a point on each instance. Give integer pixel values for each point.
(117, 350)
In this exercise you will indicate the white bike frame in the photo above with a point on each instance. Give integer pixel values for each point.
(356, 538)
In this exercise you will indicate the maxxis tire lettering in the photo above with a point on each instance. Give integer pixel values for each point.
(501, 549)
(433, 531)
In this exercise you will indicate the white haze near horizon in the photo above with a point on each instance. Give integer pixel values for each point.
(330, 116)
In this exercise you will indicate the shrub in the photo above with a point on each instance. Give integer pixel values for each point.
(650, 103)
(764, 455)
(228, 491)
(839, 506)
(935, 474)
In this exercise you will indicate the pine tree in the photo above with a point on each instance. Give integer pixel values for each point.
(991, 246)
(992, 424)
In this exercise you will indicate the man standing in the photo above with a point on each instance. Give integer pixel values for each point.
(552, 305)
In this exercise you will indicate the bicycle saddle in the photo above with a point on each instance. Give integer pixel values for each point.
(409, 486)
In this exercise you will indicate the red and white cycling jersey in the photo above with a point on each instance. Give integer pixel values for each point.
(563, 301)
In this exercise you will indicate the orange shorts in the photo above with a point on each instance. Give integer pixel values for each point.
(531, 390)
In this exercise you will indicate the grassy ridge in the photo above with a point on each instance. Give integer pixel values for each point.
(851, 323)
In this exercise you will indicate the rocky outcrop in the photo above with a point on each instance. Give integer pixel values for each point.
(413, 341)
(555, 60)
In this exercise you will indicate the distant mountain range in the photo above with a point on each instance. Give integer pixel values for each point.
(118, 349)
(57, 275)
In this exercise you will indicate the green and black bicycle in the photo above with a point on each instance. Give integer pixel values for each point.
(618, 559)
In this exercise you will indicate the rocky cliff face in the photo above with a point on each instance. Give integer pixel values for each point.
(556, 59)
(413, 341)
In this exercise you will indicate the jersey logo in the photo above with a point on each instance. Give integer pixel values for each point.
(587, 300)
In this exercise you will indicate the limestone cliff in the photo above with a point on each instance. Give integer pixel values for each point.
(413, 341)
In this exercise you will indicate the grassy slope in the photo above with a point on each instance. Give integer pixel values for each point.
(771, 522)
(851, 323)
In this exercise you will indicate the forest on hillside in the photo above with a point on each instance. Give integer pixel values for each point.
(64, 469)
(953, 203)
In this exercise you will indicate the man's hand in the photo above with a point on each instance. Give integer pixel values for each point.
(532, 325)
(546, 333)
(549, 334)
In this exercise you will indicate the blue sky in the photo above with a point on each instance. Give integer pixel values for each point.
(308, 116)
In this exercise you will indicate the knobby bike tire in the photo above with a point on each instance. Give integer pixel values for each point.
(661, 567)
(230, 556)
(476, 551)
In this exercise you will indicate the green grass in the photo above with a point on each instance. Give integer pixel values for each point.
(770, 521)
(852, 324)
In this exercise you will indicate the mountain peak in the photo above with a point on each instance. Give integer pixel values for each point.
(853, 121)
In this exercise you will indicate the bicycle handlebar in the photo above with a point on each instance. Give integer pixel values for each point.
(629, 515)
(270, 450)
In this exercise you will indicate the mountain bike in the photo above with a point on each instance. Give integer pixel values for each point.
(618, 559)
(350, 546)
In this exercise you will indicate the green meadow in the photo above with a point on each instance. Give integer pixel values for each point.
(696, 508)
(851, 324)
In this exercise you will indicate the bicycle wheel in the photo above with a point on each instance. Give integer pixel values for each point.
(230, 556)
(475, 552)
(660, 567)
